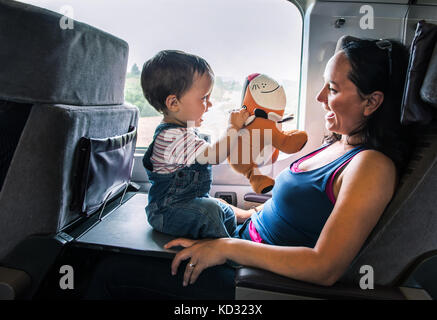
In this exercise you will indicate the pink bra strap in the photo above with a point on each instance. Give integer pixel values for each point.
(330, 185)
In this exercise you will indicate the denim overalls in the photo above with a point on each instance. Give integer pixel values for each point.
(179, 203)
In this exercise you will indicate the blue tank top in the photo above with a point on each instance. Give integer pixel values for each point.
(300, 206)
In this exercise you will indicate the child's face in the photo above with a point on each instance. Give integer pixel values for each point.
(195, 102)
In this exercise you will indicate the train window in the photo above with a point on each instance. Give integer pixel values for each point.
(237, 38)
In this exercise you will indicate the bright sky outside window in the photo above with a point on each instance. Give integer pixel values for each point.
(236, 37)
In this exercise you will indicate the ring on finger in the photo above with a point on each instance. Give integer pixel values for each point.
(192, 265)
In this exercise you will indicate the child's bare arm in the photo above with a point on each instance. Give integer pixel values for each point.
(218, 152)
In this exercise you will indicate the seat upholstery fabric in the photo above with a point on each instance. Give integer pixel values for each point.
(56, 86)
(41, 62)
(13, 117)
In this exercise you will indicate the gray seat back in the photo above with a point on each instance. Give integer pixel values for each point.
(56, 86)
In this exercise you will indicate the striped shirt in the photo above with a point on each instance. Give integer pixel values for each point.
(176, 148)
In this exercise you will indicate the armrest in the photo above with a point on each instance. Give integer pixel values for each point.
(12, 283)
(422, 274)
(257, 197)
(265, 282)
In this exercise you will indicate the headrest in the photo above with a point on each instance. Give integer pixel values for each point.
(429, 88)
(42, 62)
(414, 109)
(343, 41)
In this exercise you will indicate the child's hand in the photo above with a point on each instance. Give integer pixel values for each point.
(238, 118)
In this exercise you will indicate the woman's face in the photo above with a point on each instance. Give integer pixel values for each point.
(339, 97)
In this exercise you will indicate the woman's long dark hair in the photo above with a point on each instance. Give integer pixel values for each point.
(371, 71)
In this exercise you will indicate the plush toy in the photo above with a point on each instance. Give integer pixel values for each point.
(265, 100)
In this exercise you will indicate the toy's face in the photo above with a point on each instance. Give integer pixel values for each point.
(267, 92)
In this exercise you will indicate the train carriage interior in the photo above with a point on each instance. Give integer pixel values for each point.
(73, 188)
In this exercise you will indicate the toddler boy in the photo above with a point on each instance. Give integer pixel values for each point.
(178, 162)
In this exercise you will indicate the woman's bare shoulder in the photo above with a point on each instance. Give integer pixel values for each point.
(372, 166)
(373, 160)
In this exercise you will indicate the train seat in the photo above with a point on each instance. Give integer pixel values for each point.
(58, 86)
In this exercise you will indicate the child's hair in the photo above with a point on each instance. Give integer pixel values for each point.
(170, 72)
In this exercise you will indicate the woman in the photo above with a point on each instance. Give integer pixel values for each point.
(340, 190)
(323, 207)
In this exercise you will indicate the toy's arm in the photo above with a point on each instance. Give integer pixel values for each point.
(274, 116)
(249, 120)
(271, 116)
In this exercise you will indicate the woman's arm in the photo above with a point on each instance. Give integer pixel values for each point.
(367, 185)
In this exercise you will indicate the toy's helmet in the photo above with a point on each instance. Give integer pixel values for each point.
(261, 91)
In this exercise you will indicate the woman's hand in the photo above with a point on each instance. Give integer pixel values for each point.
(203, 253)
